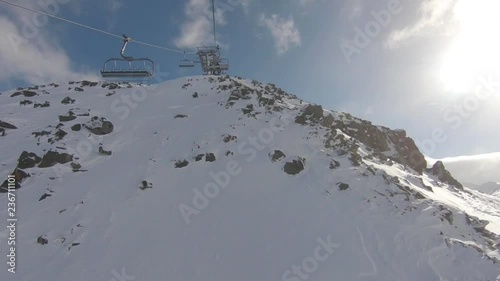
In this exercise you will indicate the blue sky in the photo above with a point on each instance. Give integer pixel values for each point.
(405, 64)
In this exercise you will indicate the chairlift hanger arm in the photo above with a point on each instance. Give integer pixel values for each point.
(126, 40)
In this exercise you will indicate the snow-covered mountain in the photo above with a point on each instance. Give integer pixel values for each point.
(492, 188)
(223, 179)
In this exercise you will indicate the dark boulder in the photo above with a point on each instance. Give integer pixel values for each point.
(76, 127)
(52, 158)
(209, 157)
(28, 160)
(41, 240)
(294, 167)
(7, 125)
(277, 155)
(24, 93)
(67, 100)
(99, 126)
(181, 163)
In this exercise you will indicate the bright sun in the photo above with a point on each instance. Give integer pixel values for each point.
(476, 47)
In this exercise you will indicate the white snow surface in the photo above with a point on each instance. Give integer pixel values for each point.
(255, 222)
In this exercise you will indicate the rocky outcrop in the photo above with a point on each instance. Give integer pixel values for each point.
(52, 158)
(7, 125)
(311, 113)
(25, 93)
(277, 155)
(444, 175)
(294, 167)
(28, 160)
(181, 163)
(99, 126)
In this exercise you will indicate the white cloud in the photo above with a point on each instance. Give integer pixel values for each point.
(284, 32)
(30, 53)
(197, 29)
(306, 2)
(433, 14)
(114, 5)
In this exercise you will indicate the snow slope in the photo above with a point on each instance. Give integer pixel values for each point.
(330, 208)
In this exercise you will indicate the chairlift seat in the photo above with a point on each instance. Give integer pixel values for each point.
(119, 73)
(186, 64)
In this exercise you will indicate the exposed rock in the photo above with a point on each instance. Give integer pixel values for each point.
(181, 163)
(67, 100)
(446, 214)
(443, 175)
(311, 112)
(195, 95)
(180, 116)
(66, 118)
(294, 167)
(41, 134)
(45, 195)
(334, 164)
(228, 138)
(45, 104)
(277, 155)
(52, 158)
(25, 102)
(86, 83)
(199, 157)
(28, 160)
(209, 157)
(238, 94)
(99, 126)
(328, 121)
(76, 127)
(110, 86)
(19, 176)
(145, 185)
(75, 166)
(24, 93)
(104, 152)
(7, 125)
(59, 135)
(476, 223)
(41, 240)
(343, 186)
(248, 109)
(78, 89)
(2, 132)
(426, 186)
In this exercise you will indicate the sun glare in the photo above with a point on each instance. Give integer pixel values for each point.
(476, 47)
